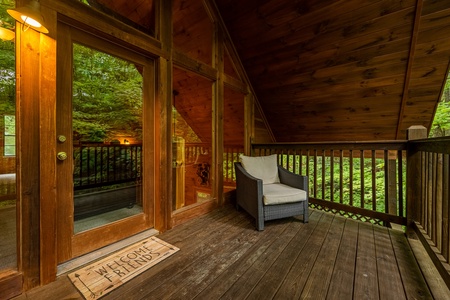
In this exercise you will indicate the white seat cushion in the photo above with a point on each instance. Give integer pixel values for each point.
(278, 193)
(262, 167)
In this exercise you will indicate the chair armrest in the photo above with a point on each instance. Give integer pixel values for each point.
(249, 191)
(291, 179)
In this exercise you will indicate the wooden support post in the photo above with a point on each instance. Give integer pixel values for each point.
(163, 206)
(392, 186)
(414, 176)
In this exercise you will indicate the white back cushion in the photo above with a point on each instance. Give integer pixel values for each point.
(262, 167)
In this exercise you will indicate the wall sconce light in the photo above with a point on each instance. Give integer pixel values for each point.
(30, 16)
(5, 33)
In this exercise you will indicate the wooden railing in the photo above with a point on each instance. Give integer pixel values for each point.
(428, 198)
(195, 152)
(362, 180)
(230, 156)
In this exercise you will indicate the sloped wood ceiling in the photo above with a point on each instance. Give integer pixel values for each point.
(139, 14)
(327, 70)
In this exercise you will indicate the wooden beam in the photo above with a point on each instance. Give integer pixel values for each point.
(47, 158)
(28, 153)
(234, 83)
(79, 14)
(164, 87)
(218, 114)
(412, 50)
(185, 62)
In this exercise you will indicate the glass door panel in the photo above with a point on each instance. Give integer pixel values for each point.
(106, 141)
(107, 138)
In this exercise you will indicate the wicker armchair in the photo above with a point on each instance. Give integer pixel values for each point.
(250, 196)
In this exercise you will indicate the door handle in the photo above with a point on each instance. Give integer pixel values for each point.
(61, 156)
(61, 138)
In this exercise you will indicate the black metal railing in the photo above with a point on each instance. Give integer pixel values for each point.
(101, 164)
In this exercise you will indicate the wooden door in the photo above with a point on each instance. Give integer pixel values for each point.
(105, 131)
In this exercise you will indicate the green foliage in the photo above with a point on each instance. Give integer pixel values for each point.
(7, 64)
(441, 121)
(107, 96)
(356, 189)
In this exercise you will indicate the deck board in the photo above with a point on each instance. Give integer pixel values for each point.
(294, 282)
(341, 285)
(222, 256)
(388, 272)
(272, 279)
(366, 278)
(320, 277)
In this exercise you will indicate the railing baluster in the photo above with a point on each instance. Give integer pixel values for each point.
(341, 176)
(315, 173)
(374, 180)
(430, 193)
(445, 208)
(332, 175)
(323, 175)
(307, 166)
(351, 176)
(361, 165)
(438, 196)
(82, 175)
(400, 183)
(301, 163)
(386, 181)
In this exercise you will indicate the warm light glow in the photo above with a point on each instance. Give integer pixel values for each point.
(30, 16)
(30, 21)
(6, 34)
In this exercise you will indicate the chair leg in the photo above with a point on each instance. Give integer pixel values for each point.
(259, 224)
(305, 213)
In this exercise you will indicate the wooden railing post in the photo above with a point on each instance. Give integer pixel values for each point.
(414, 175)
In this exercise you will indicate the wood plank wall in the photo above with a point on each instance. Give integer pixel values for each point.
(342, 70)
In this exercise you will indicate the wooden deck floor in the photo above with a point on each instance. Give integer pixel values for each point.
(223, 256)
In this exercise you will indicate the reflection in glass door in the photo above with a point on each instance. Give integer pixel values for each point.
(107, 138)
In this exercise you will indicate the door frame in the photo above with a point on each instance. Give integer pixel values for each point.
(70, 245)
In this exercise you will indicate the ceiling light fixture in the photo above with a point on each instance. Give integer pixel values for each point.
(29, 16)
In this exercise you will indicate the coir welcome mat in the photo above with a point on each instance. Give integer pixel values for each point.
(103, 276)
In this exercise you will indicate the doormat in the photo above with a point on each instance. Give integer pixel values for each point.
(103, 276)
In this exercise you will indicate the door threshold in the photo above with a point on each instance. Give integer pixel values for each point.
(102, 252)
